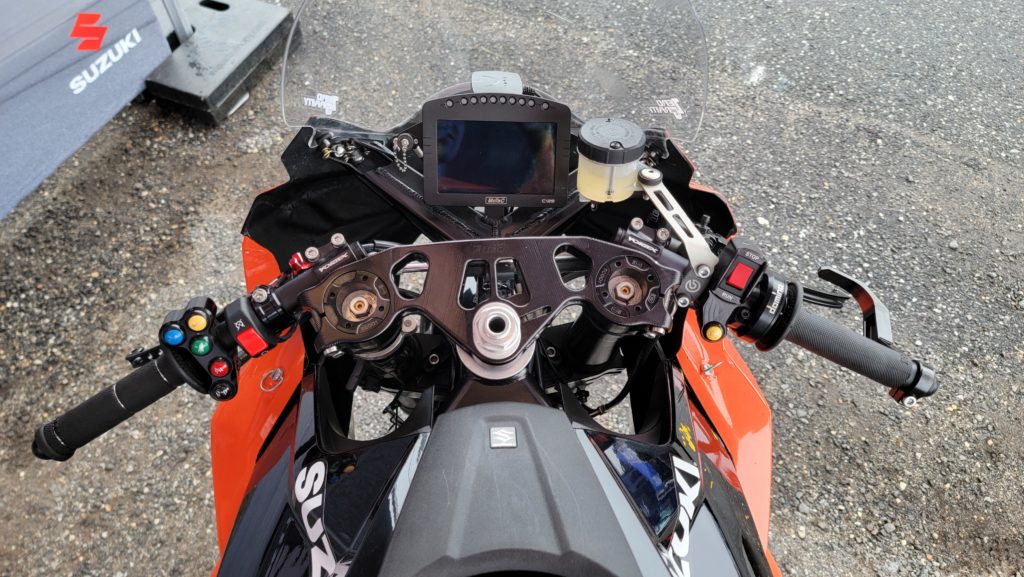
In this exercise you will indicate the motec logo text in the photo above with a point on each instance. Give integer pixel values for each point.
(103, 63)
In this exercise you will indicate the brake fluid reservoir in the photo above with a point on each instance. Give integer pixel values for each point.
(610, 151)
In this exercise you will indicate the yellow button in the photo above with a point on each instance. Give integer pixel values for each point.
(713, 332)
(197, 322)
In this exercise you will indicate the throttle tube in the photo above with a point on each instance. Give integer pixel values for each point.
(59, 439)
(908, 378)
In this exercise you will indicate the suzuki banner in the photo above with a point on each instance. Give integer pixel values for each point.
(66, 68)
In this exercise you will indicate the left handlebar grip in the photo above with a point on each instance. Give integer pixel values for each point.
(58, 440)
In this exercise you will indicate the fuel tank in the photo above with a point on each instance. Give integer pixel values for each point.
(493, 487)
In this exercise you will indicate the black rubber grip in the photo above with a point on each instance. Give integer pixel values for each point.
(862, 355)
(58, 440)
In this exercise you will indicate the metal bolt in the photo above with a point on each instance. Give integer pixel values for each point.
(703, 271)
(359, 306)
(551, 352)
(909, 401)
(337, 239)
(333, 352)
(221, 391)
(654, 332)
(433, 359)
(650, 176)
(708, 368)
(260, 295)
(636, 224)
(683, 302)
(662, 235)
(624, 291)
(312, 253)
(410, 325)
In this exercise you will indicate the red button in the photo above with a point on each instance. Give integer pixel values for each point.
(251, 341)
(220, 368)
(740, 276)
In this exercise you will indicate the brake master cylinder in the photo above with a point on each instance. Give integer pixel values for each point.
(610, 151)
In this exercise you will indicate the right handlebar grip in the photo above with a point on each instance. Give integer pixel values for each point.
(894, 369)
(59, 439)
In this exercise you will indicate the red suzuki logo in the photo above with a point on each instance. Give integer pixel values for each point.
(86, 29)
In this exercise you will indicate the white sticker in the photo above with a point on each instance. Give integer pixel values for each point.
(328, 103)
(668, 106)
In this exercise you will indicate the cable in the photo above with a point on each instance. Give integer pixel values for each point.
(629, 380)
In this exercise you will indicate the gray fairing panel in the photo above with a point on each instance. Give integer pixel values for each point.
(541, 506)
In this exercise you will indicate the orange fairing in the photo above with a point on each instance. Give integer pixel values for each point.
(732, 400)
(240, 426)
(260, 265)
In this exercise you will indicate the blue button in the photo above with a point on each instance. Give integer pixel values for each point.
(173, 337)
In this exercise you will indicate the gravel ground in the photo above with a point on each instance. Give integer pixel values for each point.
(880, 137)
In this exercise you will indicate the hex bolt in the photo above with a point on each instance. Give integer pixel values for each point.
(636, 224)
(433, 359)
(337, 239)
(662, 235)
(625, 289)
(703, 271)
(312, 253)
(260, 295)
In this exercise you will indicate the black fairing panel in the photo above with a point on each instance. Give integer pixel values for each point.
(264, 541)
(269, 538)
(541, 506)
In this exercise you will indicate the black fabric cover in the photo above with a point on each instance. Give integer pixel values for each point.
(307, 211)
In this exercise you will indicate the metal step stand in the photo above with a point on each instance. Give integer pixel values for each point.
(223, 46)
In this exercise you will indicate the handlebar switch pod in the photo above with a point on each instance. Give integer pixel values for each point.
(741, 265)
(194, 337)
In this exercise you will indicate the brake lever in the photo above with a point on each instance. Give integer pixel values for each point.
(876, 318)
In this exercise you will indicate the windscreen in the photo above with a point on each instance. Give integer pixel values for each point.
(361, 68)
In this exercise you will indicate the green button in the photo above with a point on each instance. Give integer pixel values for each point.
(200, 346)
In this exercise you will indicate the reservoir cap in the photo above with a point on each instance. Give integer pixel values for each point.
(611, 141)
